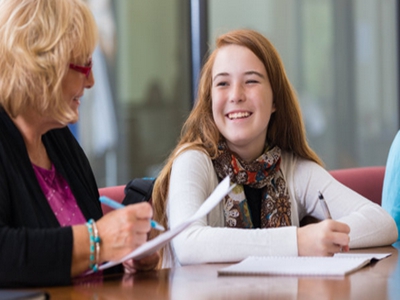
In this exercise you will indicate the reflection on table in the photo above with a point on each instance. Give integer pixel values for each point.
(379, 280)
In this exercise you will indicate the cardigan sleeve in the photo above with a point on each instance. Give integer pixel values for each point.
(29, 255)
(370, 225)
(35, 257)
(207, 240)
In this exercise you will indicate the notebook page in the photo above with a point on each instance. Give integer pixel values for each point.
(296, 265)
(371, 256)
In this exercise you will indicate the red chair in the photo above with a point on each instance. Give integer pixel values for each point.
(367, 181)
(113, 192)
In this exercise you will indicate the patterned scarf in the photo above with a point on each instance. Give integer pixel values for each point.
(265, 173)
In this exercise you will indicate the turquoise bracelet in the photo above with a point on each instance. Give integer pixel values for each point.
(94, 243)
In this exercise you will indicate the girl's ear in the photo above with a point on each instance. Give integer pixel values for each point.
(273, 107)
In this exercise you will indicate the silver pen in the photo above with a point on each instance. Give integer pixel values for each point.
(324, 206)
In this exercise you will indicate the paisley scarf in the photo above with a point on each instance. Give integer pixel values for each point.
(263, 173)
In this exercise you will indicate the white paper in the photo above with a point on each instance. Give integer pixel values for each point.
(153, 245)
(371, 256)
(338, 265)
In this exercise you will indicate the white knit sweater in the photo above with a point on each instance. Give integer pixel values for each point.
(193, 179)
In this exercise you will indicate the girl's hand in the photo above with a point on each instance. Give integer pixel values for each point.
(145, 264)
(323, 239)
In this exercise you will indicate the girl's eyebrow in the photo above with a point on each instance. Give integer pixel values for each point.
(246, 73)
(220, 74)
(255, 73)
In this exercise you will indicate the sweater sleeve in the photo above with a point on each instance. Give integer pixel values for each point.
(370, 225)
(30, 255)
(207, 240)
(35, 257)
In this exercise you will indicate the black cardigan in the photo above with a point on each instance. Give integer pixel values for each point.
(34, 249)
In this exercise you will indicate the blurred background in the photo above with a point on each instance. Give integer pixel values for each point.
(341, 56)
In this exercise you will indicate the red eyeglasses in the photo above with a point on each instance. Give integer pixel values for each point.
(82, 69)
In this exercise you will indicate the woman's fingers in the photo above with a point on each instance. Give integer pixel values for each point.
(123, 230)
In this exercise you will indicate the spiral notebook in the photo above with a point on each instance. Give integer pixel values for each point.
(338, 265)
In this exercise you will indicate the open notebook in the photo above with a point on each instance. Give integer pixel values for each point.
(338, 265)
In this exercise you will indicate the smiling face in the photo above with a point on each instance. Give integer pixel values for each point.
(73, 85)
(242, 100)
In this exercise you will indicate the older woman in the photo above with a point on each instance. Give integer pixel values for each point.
(51, 223)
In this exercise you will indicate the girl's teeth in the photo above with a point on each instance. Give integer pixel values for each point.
(238, 115)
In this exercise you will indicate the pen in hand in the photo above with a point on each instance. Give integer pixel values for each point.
(324, 206)
(116, 205)
(327, 214)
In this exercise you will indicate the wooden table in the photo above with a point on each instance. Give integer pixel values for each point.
(380, 280)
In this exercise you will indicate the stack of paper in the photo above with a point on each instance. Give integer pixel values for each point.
(157, 243)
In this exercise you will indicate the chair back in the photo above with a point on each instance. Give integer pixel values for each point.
(113, 192)
(367, 181)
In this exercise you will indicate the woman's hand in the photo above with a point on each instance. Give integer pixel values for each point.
(145, 264)
(323, 239)
(123, 230)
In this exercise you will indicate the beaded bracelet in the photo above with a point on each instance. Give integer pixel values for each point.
(97, 243)
(94, 241)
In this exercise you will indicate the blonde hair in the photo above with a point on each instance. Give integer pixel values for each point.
(38, 40)
(286, 128)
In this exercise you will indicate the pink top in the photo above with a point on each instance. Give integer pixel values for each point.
(59, 196)
(63, 204)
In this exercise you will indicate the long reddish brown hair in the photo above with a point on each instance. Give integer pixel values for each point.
(286, 128)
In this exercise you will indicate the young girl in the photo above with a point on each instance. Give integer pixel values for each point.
(247, 124)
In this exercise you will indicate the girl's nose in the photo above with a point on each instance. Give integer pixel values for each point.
(237, 93)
